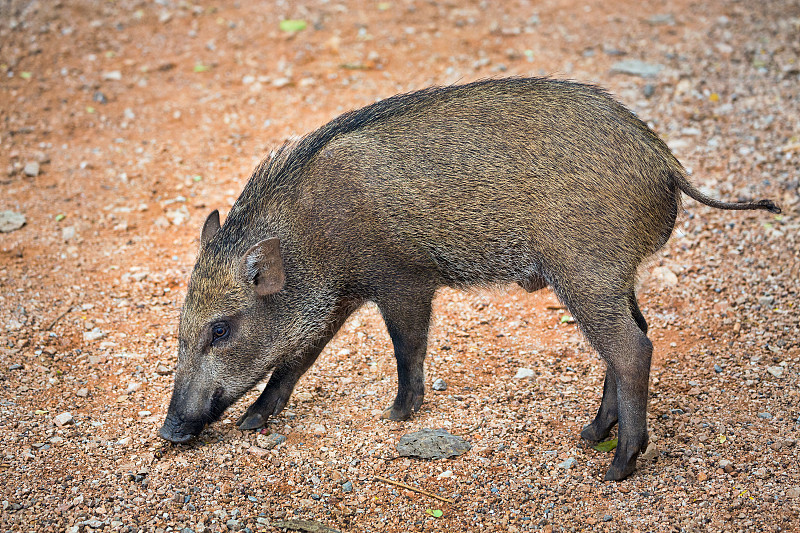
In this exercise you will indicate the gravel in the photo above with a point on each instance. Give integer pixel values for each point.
(720, 298)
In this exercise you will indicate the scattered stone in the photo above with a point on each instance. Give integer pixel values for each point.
(68, 233)
(309, 526)
(765, 416)
(607, 518)
(717, 369)
(775, 371)
(662, 19)
(439, 385)
(31, 169)
(11, 221)
(93, 335)
(233, 525)
(112, 75)
(726, 465)
(144, 414)
(634, 67)
(569, 463)
(15, 366)
(268, 442)
(793, 493)
(162, 370)
(766, 301)
(649, 90)
(318, 429)
(663, 277)
(523, 373)
(702, 476)
(347, 486)
(651, 452)
(99, 97)
(82, 392)
(431, 444)
(63, 419)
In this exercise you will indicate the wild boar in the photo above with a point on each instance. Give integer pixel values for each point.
(523, 180)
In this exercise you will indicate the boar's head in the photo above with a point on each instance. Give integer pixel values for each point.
(229, 333)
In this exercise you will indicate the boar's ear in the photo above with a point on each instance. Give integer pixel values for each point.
(210, 228)
(262, 267)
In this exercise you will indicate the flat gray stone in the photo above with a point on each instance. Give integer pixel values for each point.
(10, 221)
(432, 444)
(634, 67)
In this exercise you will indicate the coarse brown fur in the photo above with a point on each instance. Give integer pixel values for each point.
(522, 180)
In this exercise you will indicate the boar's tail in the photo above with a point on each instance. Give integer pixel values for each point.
(688, 188)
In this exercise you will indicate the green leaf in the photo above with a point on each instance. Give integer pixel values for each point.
(293, 25)
(25, 75)
(89, 109)
(605, 446)
(41, 412)
(436, 513)
(60, 217)
(197, 178)
(566, 319)
(199, 67)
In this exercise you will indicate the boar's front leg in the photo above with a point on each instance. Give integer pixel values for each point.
(407, 319)
(607, 415)
(285, 376)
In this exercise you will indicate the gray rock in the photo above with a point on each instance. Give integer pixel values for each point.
(569, 463)
(793, 493)
(432, 444)
(766, 301)
(268, 442)
(10, 221)
(662, 19)
(765, 416)
(634, 67)
(607, 518)
(523, 373)
(717, 369)
(775, 371)
(31, 169)
(63, 419)
(233, 524)
(347, 486)
(439, 385)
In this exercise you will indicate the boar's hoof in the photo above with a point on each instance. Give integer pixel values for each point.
(251, 421)
(592, 433)
(615, 473)
(395, 414)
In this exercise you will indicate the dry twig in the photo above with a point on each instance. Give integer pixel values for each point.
(414, 489)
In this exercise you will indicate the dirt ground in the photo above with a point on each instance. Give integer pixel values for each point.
(125, 122)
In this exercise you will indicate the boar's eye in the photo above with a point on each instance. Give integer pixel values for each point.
(219, 331)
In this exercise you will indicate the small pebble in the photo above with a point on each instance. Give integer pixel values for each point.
(717, 369)
(523, 373)
(82, 393)
(347, 486)
(31, 169)
(793, 493)
(439, 385)
(607, 518)
(63, 419)
(765, 416)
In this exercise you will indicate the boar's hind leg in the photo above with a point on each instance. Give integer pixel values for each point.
(284, 377)
(607, 415)
(608, 322)
(407, 321)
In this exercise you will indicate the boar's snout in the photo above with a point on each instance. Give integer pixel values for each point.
(189, 412)
(177, 430)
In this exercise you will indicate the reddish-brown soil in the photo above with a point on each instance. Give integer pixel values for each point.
(143, 116)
